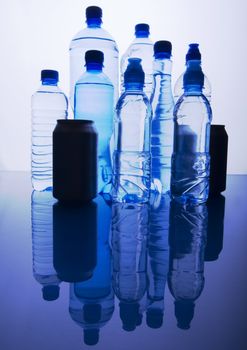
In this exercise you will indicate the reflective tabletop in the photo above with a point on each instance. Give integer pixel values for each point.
(122, 276)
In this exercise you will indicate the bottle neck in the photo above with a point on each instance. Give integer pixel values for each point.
(163, 66)
(193, 63)
(51, 82)
(94, 22)
(142, 35)
(192, 90)
(95, 67)
(133, 87)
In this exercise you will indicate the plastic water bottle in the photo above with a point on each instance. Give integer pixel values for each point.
(96, 294)
(93, 37)
(187, 239)
(42, 244)
(162, 123)
(193, 54)
(141, 47)
(132, 157)
(94, 101)
(129, 249)
(49, 103)
(190, 159)
(158, 259)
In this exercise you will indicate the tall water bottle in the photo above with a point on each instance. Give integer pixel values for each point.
(93, 37)
(94, 101)
(187, 239)
(158, 259)
(193, 54)
(42, 244)
(129, 249)
(141, 47)
(49, 103)
(132, 157)
(162, 123)
(190, 159)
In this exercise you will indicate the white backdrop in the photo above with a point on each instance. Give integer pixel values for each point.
(35, 35)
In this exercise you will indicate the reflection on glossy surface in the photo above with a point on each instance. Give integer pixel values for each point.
(187, 238)
(215, 231)
(129, 249)
(92, 301)
(219, 312)
(42, 244)
(74, 241)
(158, 260)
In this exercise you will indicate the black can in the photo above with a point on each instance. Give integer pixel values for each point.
(75, 161)
(218, 159)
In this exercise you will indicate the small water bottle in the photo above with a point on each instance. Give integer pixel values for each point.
(94, 101)
(49, 103)
(93, 37)
(193, 54)
(132, 157)
(130, 224)
(141, 47)
(162, 123)
(190, 159)
(42, 243)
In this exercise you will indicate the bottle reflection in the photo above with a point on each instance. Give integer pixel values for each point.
(42, 244)
(74, 239)
(187, 238)
(92, 301)
(129, 248)
(216, 213)
(158, 260)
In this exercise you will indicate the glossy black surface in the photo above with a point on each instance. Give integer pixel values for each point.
(117, 261)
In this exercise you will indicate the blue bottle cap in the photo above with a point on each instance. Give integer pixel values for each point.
(193, 52)
(142, 30)
(91, 336)
(94, 56)
(50, 292)
(184, 312)
(49, 74)
(162, 49)
(93, 12)
(134, 72)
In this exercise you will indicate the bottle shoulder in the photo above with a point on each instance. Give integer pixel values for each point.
(130, 99)
(92, 33)
(94, 78)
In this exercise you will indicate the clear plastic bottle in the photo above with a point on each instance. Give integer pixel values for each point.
(92, 301)
(193, 54)
(141, 47)
(187, 239)
(162, 123)
(93, 37)
(190, 159)
(91, 313)
(94, 101)
(132, 157)
(42, 244)
(129, 249)
(48, 104)
(158, 259)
